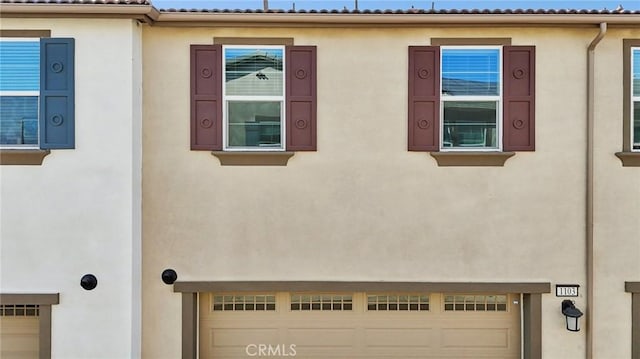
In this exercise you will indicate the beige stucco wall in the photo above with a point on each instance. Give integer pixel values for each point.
(80, 211)
(362, 207)
(617, 207)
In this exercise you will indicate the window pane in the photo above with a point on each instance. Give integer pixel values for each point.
(470, 72)
(19, 120)
(254, 72)
(19, 65)
(636, 125)
(470, 124)
(254, 124)
(636, 72)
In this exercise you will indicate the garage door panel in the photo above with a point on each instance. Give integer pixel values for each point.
(242, 337)
(330, 336)
(15, 342)
(475, 338)
(19, 337)
(325, 352)
(19, 355)
(399, 337)
(330, 320)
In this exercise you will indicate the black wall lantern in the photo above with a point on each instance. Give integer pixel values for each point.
(572, 315)
(169, 276)
(89, 281)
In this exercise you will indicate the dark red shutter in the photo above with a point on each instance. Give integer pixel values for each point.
(301, 98)
(206, 97)
(424, 98)
(519, 98)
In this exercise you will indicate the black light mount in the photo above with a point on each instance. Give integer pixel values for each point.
(572, 315)
(89, 281)
(169, 276)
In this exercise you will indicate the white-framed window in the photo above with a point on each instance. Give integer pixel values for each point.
(635, 99)
(471, 98)
(321, 302)
(19, 92)
(241, 302)
(398, 302)
(475, 303)
(254, 98)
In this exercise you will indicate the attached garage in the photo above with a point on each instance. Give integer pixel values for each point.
(25, 325)
(19, 331)
(359, 325)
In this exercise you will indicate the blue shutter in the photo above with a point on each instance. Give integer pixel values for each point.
(57, 129)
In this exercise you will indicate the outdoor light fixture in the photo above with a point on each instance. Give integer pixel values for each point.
(88, 281)
(572, 315)
(169, 276)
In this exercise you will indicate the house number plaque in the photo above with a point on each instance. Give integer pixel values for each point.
(567, 290)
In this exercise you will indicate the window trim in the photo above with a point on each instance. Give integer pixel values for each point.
(253, 158)
(248, 98)
(254, 41)
(473, 98)
(473, 41)
(25, 33)
(627, 156)
(471, 159)
(23, 156)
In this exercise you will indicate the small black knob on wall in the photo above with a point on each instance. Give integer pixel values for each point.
(89, 281)
(169, 276)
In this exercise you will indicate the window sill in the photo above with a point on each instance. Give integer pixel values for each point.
(460, 159)
(253, 158)
(31, 157)
(629, 159)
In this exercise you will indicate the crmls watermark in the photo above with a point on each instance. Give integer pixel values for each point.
(270, 350)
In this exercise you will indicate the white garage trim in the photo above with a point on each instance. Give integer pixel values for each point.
(532, 315)
(44, 302)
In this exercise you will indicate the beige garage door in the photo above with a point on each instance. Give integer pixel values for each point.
(19, 331)
(360, 325)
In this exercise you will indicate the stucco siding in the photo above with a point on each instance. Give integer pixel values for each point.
(75, 214)
(617, 207)
(362, 207)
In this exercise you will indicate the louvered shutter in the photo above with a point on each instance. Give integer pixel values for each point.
(301, 100)
(57, 117)
(519, 98)
(206, 97)
(424, 98)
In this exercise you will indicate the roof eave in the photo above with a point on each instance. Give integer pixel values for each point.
(146, 13)
(289, 19)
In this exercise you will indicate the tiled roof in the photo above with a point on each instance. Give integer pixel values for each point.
(330, 11)
(79, 2)
(409, 11)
